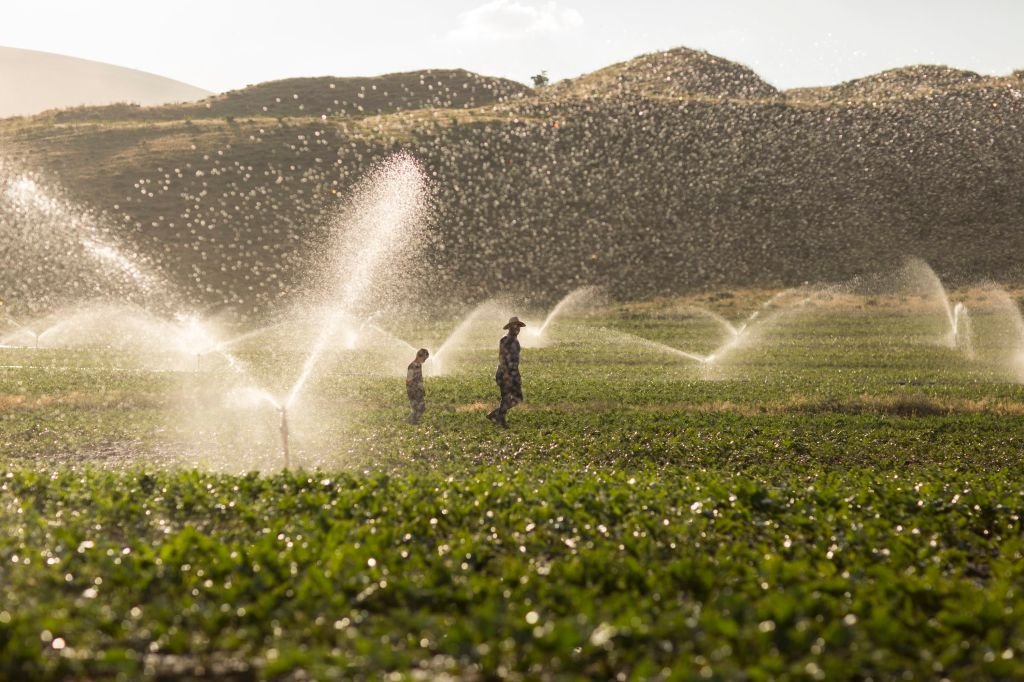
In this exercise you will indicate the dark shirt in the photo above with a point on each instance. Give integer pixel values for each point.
(414, 379)
(508, 358)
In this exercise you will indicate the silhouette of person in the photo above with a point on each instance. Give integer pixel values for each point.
(510, 384)
(414, 386)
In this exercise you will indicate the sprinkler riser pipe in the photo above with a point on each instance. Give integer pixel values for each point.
(284, 436)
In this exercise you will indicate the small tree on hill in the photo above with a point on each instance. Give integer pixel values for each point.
(540, 80)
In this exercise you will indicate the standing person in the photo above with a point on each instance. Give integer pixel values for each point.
(510, 384)
(414, 386)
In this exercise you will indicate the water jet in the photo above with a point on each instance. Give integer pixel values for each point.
(926, 283)
(574, 300)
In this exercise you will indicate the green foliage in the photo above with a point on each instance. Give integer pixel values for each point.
(836, 510)
(554, 568)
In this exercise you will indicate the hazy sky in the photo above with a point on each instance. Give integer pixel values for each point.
(220, 45)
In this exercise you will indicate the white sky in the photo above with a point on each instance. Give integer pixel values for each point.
(220, 45)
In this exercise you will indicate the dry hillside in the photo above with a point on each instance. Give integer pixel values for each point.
(672, 172)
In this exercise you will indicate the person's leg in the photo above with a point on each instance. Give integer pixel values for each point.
(511, 395)
(417, 405)
(508, 401)
(496, 415)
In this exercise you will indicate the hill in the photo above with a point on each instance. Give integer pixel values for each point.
(326, 96)
(669, 173)
(678, 73)
(902, 83)
(32, 82)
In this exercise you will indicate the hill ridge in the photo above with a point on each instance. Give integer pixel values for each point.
(636, 189)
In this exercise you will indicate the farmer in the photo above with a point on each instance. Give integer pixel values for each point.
(510, 384)
(414, 386)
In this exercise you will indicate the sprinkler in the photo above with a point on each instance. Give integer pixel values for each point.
(959, 313)
(284, 433)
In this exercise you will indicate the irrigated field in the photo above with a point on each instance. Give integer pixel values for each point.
(838, 497)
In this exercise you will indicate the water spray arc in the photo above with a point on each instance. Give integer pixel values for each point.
(441, 357)
(923, 278)
(576, 299)
(32, 332)
(363, 259)
(385, 213)
(737, 336)
(634, 339)
(387, 210)
(59, 252)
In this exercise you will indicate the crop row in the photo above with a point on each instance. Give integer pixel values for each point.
(513, 571)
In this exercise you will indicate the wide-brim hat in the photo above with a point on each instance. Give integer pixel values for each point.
(514, 322)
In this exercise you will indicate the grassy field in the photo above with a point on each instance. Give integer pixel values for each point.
(838, 498)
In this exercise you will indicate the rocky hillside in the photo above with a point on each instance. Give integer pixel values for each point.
(671, 172)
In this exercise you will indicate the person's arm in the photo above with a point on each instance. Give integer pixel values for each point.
(503, 352)
(512, 359)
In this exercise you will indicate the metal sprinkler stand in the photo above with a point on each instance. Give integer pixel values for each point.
(284, 434)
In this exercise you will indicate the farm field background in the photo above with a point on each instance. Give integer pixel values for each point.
(841, 494)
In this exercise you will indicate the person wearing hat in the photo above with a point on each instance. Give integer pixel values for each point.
(510, 384)
(414, 386)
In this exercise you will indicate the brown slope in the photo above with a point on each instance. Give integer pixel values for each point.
(644, 195)
(676, 73)
(908, 82)
(331, 96)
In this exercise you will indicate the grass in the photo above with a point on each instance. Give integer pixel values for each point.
(839, 500)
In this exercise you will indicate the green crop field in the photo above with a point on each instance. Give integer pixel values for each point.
(839, 496)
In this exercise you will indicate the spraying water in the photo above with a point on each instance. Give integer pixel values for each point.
(55, 251)
(758, 322)
(250, 398)
(11, 340)
(1000, 335)
(392, 338)
(247, 336)
(736, 336)
(386, 212)
(193, 337)
(963, 334)
(633, 339)
(574, 300)
(441, 359)
(729, 330)
(923, 277)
